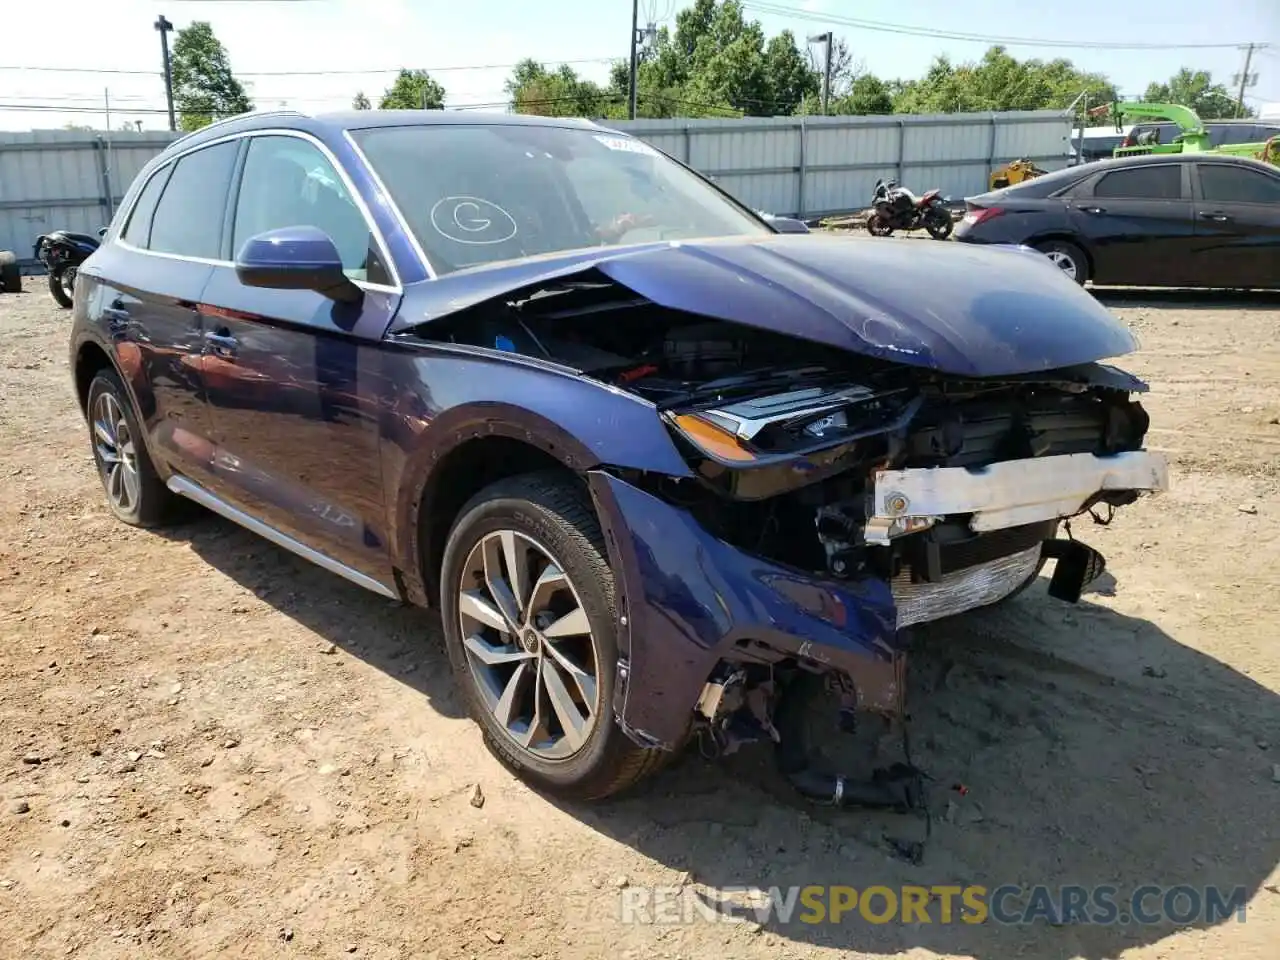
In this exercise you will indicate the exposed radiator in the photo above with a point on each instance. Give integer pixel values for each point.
(966, 589)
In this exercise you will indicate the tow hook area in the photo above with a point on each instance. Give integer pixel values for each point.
(748, 703)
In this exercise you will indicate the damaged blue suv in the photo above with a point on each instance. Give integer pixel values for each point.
(663, 467)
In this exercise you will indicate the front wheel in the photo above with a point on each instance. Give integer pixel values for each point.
(10, 274)
(939, 224)
(879, 226)
(527, 599)
(62, 284)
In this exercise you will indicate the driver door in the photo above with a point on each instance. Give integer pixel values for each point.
(292, 377)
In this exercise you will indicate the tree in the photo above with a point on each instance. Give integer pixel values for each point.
(536, 90)
(1196, 89)
(360, 101)
(788, 74)
(843, 69)
(867, 95)
(999, 81)
(413, 90)
(204, 88)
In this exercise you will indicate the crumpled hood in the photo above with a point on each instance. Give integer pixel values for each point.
(955, 308)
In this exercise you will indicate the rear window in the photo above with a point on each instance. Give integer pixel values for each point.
(1163, 182)
(138, 230)
(188, 220)
(1048, 184)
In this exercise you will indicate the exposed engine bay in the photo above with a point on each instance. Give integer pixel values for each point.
(952, 490)
(788, 436)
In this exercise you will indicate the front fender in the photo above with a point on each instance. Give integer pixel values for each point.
(442, 397)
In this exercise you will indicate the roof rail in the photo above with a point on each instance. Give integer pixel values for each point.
(239, 116)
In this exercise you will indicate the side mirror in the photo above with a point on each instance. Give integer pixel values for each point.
(787, 224)
(295, 258)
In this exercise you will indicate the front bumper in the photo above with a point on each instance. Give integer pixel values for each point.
(687, 600)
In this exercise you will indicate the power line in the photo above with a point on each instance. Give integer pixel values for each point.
(778, 9)
(308, 73)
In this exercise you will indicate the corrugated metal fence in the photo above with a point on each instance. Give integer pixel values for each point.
(808, 166)
(66, 180)
(812, 166)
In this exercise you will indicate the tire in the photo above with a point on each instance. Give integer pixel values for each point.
(138, 497)
(1069, 258)
(10, 274)
(878, 226)
(542, 516)
(61, 281)
(939, 224)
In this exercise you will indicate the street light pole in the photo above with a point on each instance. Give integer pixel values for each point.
(163, 25)
(825, 39)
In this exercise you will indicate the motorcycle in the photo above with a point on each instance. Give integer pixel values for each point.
(62, 252)
(897, 208)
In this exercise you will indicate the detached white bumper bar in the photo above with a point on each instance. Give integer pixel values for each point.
(1008, 494)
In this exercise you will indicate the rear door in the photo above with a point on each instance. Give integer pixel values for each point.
(293, 377)
(145, 287)
(1237, 226)
(1137, 224)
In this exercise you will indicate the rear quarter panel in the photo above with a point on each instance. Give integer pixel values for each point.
(1021, 222)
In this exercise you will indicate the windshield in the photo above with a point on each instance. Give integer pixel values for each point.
(478, 194)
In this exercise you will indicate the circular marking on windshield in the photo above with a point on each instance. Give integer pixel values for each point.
(472, 220)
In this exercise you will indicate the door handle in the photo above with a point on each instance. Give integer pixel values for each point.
(221, 342)
(116, 315)
(1214, 215)
(1094, 210)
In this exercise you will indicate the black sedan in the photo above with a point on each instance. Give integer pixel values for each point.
(1178, 220)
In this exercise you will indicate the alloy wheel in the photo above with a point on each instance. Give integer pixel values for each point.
(117, 456)
(1064, 262)
(68, 282)
(529, 645)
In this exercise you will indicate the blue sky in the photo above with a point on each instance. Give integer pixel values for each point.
(368, 35)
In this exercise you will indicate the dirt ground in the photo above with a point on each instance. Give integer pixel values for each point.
(209, 748)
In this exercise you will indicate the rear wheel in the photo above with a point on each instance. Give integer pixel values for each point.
(1067, 257)
(135, 492)
(62, 284)
(527, 600)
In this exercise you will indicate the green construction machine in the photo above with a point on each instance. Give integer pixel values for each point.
(1192, 138)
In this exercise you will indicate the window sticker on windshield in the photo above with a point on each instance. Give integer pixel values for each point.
(626, 145)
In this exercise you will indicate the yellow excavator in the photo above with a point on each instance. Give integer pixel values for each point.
(1014, 172)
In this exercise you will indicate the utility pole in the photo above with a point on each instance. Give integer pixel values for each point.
(111, 194)
(164, 26)
(635, 52)
(1244, 79)
(825, 38)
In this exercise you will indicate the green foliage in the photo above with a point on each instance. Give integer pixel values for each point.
(717, 63)
(536, 90)
(1196, 89)
(204, 88)
(360, 101)
(999, 82)
(412, 90)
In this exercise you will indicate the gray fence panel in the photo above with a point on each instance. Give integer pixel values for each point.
(810, 166)
(817, 165)
(66, 180)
